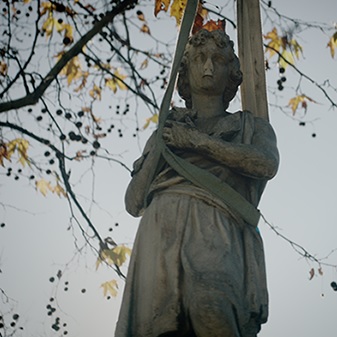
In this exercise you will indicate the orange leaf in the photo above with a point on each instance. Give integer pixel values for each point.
(212, 25)
(161, 5)
(3, 153)
(3, 68)
(140, 16)
(145, 29)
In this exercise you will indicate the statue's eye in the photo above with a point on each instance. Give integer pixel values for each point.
(218, 58)
(201, 58)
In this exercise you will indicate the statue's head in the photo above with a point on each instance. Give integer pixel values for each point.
(225, 52)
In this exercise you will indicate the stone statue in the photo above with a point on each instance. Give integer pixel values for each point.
(197, 267)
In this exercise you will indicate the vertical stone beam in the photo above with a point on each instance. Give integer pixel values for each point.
(253, 88)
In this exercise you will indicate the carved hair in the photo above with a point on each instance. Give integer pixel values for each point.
(222, 40)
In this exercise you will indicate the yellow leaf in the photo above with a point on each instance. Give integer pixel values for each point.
(95, 92)
(333, 44)
(47, 6)
(153, 119)
(68, 32)
(286, 58)
(110, 83)
(48, 25)
(110, 287)
(144, 64)
(296, 47)
(121, 252)
(19, 145)
(161, 5)
(72, 70)
(295, 101)
(59, 190)
(83, 82)
(43, 186)
(116, 82)
(274, 43)
(51, 23)
(177, 9)
(114, 256)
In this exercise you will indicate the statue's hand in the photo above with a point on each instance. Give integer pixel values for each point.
(181, 114)
(180, 135)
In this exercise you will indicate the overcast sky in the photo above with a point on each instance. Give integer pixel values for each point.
(300, 201)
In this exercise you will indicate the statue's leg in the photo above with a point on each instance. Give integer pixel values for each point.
(213, 319)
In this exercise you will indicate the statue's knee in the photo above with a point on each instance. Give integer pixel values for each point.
(213, 319)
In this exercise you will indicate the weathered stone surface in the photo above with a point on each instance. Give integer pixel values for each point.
(197, 268)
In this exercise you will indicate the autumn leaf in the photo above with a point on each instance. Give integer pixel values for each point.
(3, 68)
(121, 252)
(275, 42)
(72, 70)
(83, 82)
(68, 33)
(286, 58)
(295, 101)
(46, 6)
(3, 153)
(110, 287)
(50, 24)
(212, 25)
(59, 190)
(332, 44)
(283, 47)
(140, 16)
(144, 64)
(199, 18)
(113, 256)
(311, 273)
(116, 81)
(145, 29)
(43, 186)
(177, 10)
(153, 119)
(20, 146)
(95, 92)
(296, 47)
(161, 5)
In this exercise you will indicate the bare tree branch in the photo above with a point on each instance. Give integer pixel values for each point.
(33, 97)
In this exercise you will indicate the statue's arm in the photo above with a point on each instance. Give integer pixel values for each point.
(259, 159)
(137, 188)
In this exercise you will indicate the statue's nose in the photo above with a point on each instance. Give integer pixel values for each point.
(208, 67)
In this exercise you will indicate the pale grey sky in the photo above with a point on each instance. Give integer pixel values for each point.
(300, 202)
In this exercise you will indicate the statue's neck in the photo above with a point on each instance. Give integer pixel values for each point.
(207, 106)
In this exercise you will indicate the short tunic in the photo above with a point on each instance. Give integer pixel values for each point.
(193, 258)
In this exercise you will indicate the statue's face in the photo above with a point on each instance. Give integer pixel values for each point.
(207, 69)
